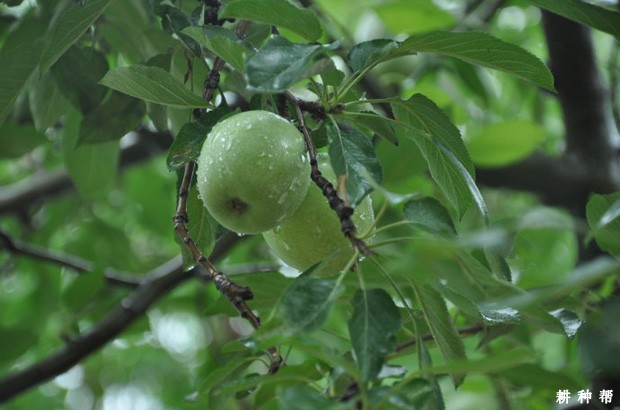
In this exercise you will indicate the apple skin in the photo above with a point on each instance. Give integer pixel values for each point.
(253, 171)
(313, 232)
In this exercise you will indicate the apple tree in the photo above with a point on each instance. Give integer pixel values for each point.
(309, 204)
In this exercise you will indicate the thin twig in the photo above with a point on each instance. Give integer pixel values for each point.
(19, 248)
(236, 294)
(79, 265)
(343, 211)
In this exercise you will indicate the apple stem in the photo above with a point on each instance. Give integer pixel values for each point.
(343, 211)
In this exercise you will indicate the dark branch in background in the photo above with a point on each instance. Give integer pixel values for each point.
(79, 265)
(564, 182)
(582, 95)
(614, 91)
(17, 198)
(590, 163)
(343, 211)
(155, 285)
(16, 247)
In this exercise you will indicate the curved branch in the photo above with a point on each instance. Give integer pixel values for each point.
(164, 278)
(157, 284)
(77, 264)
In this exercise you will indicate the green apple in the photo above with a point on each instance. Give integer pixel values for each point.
(253, 171)
(313, 233)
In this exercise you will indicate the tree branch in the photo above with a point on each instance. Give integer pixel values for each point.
(163, 279)
(236, 294)
(342, 210)
(565, 181)
(590, 162)
(157, 283)
(20, 196)
(587, 115)
(79, 265)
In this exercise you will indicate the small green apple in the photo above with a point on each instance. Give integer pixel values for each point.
(313, 232)
(253, 171)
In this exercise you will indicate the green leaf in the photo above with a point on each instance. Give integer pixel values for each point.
(78, 73)
(279, 64)
(47, 103)
(430, 215)
(410, 394)
(443, 149)
(266, 291)
(307, 302)
(602, 213)
(174, 21)
(352, 154)
(423, 117)
(82, 291)
(19, 57)
(440, 324)
(372, 328)
(580, 278)
(91, 167)
(159, 113)
(376, 123)
(491, 363)
(286, 375)
(485, 50)
(591, 15)
(368, 53)
(188, 142)
(305, 398)
(599, 340)
(15, 341)
(569, 320)
(18, 140)
(222, 42)
(112, 119)
(152, 84)
(401, 17)
(278, 13)
(504, 143)
(516, 305)
(538, 378)
(69, 27)
(545, 255)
